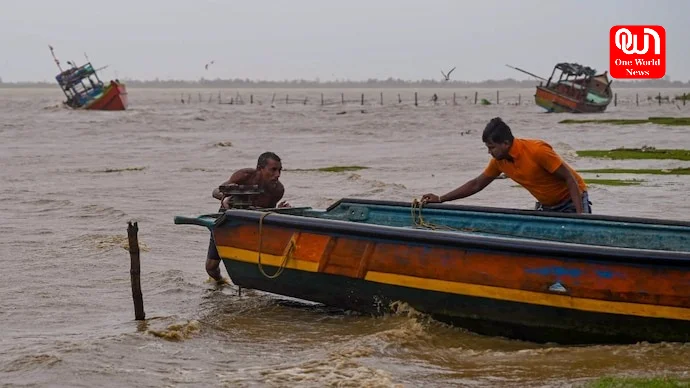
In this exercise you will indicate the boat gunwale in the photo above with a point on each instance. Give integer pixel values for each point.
(515, 245)
(522, 212)
(582, 101)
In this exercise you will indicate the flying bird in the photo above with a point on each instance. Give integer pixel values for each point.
(209, 64)
(447, 76)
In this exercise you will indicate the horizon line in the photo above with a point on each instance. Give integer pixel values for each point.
(371, 81)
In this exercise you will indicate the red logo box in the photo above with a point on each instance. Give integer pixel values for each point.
(637, 52)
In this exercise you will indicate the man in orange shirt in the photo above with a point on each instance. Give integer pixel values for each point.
(531, 163)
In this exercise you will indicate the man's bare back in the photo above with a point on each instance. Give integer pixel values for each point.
(265, 175)
(273, 191)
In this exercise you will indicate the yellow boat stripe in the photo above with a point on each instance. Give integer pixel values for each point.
(490, 292)
(266, 259)
(531, 297)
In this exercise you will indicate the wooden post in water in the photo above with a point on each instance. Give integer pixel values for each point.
(132, 230)
(399, 99)
(454, 103)
(321, 99)
(684, 98)
(519, 99)
(415, 99)
(475, 98)
(615, 99)
(199, 97)
(362, 98)
(637, 99)
(342, 98)
(659, 98)
(381, 98)
(287, 100)
(497, 97)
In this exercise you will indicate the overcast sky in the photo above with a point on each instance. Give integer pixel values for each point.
(326, 39)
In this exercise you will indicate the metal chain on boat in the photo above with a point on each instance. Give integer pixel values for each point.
(281, 268)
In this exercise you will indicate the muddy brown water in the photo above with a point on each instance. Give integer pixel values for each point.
(72, 179)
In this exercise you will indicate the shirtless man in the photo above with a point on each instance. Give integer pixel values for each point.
(265, 175)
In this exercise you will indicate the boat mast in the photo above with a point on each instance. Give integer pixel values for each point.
(54, 58)
(551, 77)
(527, 72)
(61, 71)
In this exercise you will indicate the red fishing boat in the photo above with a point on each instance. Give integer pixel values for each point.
(85, 90)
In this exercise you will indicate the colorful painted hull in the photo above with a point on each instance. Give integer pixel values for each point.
(521, 274)
(554, 102)
(114, 97)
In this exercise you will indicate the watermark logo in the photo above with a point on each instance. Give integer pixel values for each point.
(637, 52)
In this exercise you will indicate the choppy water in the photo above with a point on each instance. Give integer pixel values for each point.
(71, 180)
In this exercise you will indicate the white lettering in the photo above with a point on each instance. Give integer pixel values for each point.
(649, 62)
(627, 42)
(637, 72)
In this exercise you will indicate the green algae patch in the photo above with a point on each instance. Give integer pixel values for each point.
(605, 121)
(108, 170)
(673, 171)
(649, 120)
(632, 382)
(613, 182)
(670, 120)
(637, 153)
(333, 169)
(608, 182)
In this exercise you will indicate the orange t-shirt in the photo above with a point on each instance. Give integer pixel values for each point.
(534, 162)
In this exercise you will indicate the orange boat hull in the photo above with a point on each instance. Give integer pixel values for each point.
(113, 98)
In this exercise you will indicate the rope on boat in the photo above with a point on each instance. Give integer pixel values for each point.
(419, 222)
(286, 257)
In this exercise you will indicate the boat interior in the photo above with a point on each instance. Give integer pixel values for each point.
(588, 229)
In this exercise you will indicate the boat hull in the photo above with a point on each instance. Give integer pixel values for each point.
(557, 103)
(482, 315)
(359, 255)
(114, 98)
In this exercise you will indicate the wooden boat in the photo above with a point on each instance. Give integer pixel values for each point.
(536, 276)
(84, 89)
(578, 90)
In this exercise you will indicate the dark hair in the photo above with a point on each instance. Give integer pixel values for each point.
(497, 131)
(263, 159)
